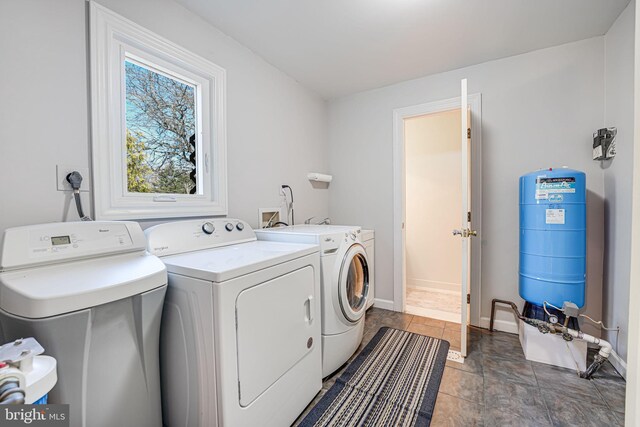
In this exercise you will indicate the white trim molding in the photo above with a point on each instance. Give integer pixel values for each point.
(399, 267)
(114, 40)
(499, 325)
(383, 303)
(618, 363)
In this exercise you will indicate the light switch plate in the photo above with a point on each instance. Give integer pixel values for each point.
(61, 176)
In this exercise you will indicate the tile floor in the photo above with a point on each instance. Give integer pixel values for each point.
(497, 386)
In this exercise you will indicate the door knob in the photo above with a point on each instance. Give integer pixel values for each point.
(465, 232)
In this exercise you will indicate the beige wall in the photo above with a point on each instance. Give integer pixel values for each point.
(433, 203)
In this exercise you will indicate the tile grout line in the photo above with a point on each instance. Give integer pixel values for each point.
(606, 402)
(544, 401)
(462, 398)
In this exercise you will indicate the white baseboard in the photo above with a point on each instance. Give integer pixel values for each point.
(500, 325)
(433, 285)
(383, 303)
(619, 364)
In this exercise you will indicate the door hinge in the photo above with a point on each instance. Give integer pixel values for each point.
(468, 133)
(469, 216)
(468, 298)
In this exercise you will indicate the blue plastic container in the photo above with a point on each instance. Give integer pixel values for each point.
(42, 401)
(553, 236)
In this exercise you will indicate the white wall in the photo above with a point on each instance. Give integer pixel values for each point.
(276, 128)
(433, 200)
(619, 57)
(539, 109)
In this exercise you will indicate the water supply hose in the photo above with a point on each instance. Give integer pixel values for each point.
(290, 207)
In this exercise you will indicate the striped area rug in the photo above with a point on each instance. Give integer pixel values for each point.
(394, 381)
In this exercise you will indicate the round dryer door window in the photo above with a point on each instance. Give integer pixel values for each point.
(353, 286)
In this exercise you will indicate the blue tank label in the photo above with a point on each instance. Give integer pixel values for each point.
(546, 188)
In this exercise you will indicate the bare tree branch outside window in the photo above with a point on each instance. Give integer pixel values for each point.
(160, 118)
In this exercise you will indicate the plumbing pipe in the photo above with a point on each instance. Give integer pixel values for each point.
(568, 334)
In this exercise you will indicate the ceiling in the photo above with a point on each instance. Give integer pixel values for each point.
(339, 47)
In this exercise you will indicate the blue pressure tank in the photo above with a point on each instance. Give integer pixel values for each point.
(553, 236)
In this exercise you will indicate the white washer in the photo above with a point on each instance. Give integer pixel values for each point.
(345, 285)
(240, 341)
(92, 296)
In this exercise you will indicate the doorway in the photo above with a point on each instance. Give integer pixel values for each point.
(468, 224)
(433, 193)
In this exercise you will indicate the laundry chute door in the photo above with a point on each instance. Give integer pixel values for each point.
(465, 217)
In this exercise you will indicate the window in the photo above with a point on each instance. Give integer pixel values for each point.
(158, 125)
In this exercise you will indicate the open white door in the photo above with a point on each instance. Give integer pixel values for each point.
(465, 217)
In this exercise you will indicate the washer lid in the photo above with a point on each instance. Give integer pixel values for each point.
(311, 229)
(228, 262)
(63, 288)
(329, 237)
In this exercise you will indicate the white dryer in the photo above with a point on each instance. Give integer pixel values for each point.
(345, 285)
(240, 339)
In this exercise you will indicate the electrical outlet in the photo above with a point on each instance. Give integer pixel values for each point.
(61, 176)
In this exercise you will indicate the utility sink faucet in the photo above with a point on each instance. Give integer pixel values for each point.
(326, 221)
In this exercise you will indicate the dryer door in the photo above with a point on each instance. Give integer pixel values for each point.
(275, 330)
(353, 283)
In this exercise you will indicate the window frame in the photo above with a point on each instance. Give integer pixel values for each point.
(115, 39)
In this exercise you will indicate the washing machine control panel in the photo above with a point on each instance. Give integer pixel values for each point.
(48, 243)
(186, 236)
(208, 228)
(87, 239)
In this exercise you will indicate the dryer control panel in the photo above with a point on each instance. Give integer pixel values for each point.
(193, 235)
(66, 241)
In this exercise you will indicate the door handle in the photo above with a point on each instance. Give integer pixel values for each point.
(465, 232)
(310, 308)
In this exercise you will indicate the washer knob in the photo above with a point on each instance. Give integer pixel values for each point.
(353, 236)
(208, 228)
(240, 226)
(229, 226)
